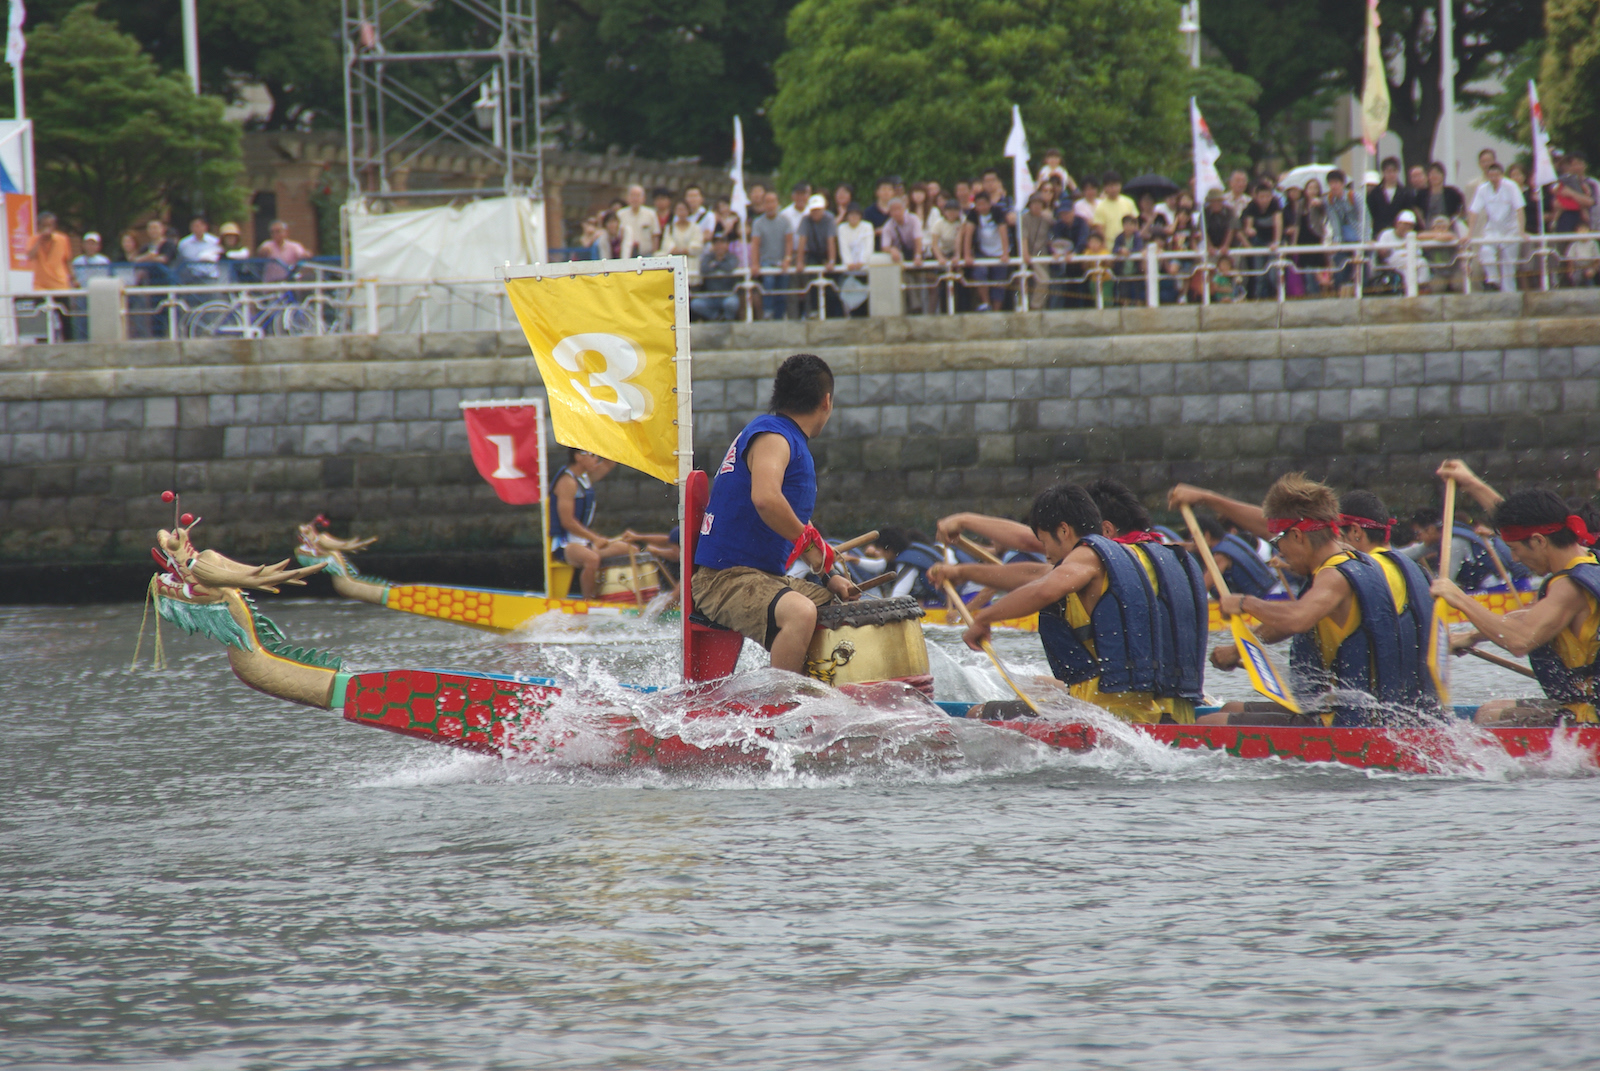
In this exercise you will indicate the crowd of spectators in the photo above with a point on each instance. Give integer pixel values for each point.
(972, 247)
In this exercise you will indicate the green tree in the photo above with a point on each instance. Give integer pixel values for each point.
(925, 89)
(115, 138)
(664, 78)
(1505, 114)
(1569, 84)
(1228, 101)
(291, 47)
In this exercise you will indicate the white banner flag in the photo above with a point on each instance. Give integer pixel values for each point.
(1206, 155)
(738, 201)
(1017, 149)
(1544, 169)
(16, 43)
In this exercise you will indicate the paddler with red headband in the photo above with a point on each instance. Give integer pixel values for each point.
(1344, 660)
(758, 522)
(1560, 633)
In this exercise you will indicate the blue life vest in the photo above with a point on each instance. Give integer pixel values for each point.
(1561, 682)
(918, 557)
(1182, 621)
(1248, 575)
(1369, 658)
(1166, 533)
(1477, 568)
(1021, 556)
(733, 533)
(583, 504)
(1123, 626)
(1414, 633)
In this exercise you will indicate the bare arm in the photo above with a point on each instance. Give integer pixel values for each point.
(1243, 514)
(1003, 533)
(1000, 577)
(1470, 482)
(566, 498)
(1520, 631)
(1293, 616)
(1076, 572)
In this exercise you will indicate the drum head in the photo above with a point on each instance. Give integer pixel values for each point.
(868, 612)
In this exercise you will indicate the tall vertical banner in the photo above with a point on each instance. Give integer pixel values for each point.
(1206, 154)
(605, 343)
(1375, 90)
(1544, 168)
(738, 200)
(19, 229)
(507, 443)
(1017, 149)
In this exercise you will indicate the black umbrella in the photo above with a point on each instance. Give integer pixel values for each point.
(1158, 186)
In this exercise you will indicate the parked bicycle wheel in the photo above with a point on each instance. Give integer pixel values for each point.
(297, 320)
(214, 319)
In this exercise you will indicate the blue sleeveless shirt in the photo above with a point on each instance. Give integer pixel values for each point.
(733, 533)
(583, 504)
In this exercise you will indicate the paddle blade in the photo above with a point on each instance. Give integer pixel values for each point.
(1439, 651)
(1263, 673)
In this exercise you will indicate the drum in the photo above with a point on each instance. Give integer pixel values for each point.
(870, 640)
(616, 580)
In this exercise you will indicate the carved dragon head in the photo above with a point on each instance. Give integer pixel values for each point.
(203, 575)
(315, 539)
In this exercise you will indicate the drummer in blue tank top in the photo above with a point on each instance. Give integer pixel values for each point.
(758, 522)
(573, 495)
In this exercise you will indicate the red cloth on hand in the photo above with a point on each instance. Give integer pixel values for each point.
(809, 536)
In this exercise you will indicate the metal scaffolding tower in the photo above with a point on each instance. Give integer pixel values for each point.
(394, 115)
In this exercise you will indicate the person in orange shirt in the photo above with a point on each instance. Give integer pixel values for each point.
(50, 253)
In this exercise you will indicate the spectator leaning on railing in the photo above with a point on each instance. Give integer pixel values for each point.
(199, 253)
(283, 255)
(719, 273)
(1498, 213)
(986, 236)
(771, 246)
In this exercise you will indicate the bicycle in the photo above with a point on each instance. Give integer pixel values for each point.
(281, 314)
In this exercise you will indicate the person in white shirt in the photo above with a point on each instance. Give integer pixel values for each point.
(1052, 169)
(200, 251)
(1497, 210)
(699, 214)
(855, 249)
(795, 210)
(1392, 247)
(641, 229)
(91, 263)
(1088, 200)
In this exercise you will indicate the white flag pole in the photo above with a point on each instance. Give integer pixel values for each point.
(1017, 149)
(738, 200)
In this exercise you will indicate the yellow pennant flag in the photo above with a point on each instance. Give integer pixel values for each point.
(605, 345)
(1375, 91)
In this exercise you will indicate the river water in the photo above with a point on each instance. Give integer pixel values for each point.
(198, 876)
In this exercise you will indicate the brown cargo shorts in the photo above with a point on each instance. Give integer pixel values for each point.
(746, 600)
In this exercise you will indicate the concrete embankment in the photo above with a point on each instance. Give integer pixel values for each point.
(934, 414)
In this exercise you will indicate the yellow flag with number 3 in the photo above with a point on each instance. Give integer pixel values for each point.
(605, 345)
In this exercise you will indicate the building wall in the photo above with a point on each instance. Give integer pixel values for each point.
(934, 414)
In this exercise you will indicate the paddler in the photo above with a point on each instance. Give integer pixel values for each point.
(1236, 552)
(571, 539)
(664, 546)
(909, 553)
(758, 522)
(1346, 631)
(1099, 614)
(1560, 633)
(1471, 565)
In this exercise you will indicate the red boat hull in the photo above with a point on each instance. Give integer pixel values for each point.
(505, 716)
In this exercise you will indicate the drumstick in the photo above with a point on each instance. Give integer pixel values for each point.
(1504, 663)
(1505, 576)
(976, 551)
(858, 541)
(988, 649)
(879, 581)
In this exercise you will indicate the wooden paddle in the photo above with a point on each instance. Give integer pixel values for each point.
(1503, 663)
(1264, 674)
(988, 649)
(1439, 628)
(633, 576)
(976, 551)
(1505, 575)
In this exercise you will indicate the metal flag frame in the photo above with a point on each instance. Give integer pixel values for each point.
(681, 360)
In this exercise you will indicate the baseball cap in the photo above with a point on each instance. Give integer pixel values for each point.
(817, 201)
(229, 228)
(1406, 216)
(91, 236)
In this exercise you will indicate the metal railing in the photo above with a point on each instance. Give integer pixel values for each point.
(1151, 277)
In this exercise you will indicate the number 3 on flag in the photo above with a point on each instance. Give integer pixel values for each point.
(621, 361)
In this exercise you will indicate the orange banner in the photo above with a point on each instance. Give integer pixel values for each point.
(19, 228)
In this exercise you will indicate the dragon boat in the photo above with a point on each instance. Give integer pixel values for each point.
(202, 592)
(624, 590)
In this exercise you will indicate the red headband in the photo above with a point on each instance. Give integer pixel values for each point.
(1278, 527)
(1516, 533)
(1364, 523)
(1138, 537)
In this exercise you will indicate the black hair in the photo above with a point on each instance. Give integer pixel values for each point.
(1428, 517)
(1365, 504)
(1264, 184)
(693, 186)
(1437, 166)
(1494, 165)
(1210, 526)
(851, 190)
(1065, 503)
(1111, 176)
(980, 193)
(662, 191)
(1575, 154)
(1543, 506)
(800, 187)
(572, 455)
(1117, 504)
(1337, 174)
(800, 384)
(1388, 162)
(896, 538)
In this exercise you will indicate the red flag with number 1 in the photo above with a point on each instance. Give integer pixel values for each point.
(506, 438)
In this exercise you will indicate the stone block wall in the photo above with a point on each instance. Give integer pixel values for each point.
(933, 414)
